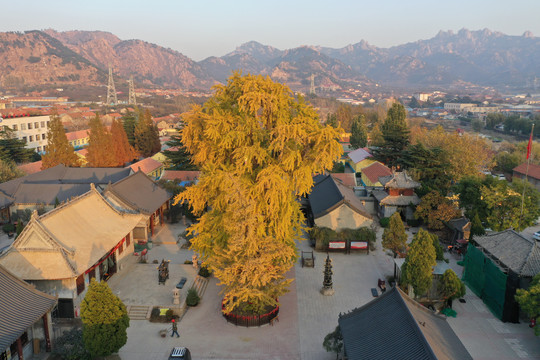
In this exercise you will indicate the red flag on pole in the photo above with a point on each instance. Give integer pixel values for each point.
(529, 145)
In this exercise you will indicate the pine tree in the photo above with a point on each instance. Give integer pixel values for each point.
(358, 132)
(13, 149)
(395, 132)
(180, 158)
(419, 262)
(257, 148)
(105, 320)
(146, 135)
(476, 226)
(394, 236)
(100, 146)
(129, 121)
(58, 149)
(123, 152)
(375, 136)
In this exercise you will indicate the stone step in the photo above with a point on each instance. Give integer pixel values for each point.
(138, 312)
(200, 285)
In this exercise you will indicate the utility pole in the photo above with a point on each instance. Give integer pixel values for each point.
(131, 98)
(111, 91)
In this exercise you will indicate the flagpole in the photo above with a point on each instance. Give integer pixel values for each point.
(529, 151)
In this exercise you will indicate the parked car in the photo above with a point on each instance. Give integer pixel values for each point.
(180, 353)
(536, 236)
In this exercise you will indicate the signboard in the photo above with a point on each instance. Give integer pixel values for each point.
(336, 245)
(359, 245)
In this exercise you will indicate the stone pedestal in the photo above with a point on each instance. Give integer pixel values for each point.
(327, 291)
(176, 297)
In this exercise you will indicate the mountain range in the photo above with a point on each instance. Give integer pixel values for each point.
(483, 58)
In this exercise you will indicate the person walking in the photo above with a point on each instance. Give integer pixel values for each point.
(174, 329)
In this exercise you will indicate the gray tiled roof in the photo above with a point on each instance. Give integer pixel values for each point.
(61, 174)
(48, 193)
(458, 224)
(140, 192)
(393, 326)
(326, 195)
(20, 306)
(518, 253)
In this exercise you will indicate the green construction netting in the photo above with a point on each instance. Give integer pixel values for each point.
(494, 288)
(473, 273)
(485, 279)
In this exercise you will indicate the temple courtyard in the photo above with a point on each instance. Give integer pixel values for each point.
(305, 315)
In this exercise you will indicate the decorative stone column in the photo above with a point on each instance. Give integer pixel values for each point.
(327, 288)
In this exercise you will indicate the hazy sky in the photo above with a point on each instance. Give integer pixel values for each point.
(199, 28)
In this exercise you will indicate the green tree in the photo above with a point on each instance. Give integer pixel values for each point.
(506, 162)
(13, 149)
(450, 286)
(129, 121)
(477, 125)
(375, 136)
(105, 320)
(123, 152)
(331, 119)
(257, 148)
(20, 227)
(177, 154)
(418, 266)
(476, 225)
(58, 149)
(529, 301)
(333, 342)
(358, 132)
(504, 205)
(435, 209)
(395, 132)
(439, 251)
(427, 166)
(9, 171)
(146, 135)
(100, 145)
(394, 236)
(344, 116)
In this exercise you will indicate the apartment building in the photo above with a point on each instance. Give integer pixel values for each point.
(31, 129)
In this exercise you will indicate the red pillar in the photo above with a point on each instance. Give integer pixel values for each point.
(152, 225)
(19, 349)
(47, 336)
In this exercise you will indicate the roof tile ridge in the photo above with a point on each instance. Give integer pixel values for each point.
(367, 305)
(121, 213)
(416, 326)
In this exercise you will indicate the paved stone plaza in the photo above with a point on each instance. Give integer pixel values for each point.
(305, 317)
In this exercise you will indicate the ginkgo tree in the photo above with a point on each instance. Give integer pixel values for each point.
(257, 148)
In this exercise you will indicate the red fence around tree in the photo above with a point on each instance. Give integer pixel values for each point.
(251, 320)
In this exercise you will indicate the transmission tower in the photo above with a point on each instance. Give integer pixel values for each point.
(131, 98)
(111, 91)
(312, 88)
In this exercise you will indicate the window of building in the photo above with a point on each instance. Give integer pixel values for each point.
(80, 284)
(29, 126)
(14, 127)
(43, 136)
(24, 139)
(31, 138)
(36, 125)
(43, 124)
(38, 149)
(128, 238)
(120, 249)
(23, 126)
